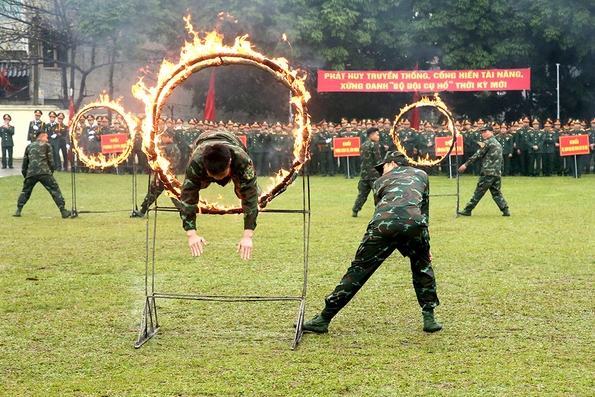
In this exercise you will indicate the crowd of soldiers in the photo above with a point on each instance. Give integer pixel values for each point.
(530, 148)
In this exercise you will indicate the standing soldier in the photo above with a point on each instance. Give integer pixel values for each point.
(64, 143)
(408, 138)
(428, 146)
(323, 141)
(490, 154)
(558, 160)
(54, 139)
(38, 166)
(534, 139)
(549, 149)
(91, 137)
(370, 154)
(6, 136)
(35, 126)
(256, 145)
(507, 143)
(522, 148)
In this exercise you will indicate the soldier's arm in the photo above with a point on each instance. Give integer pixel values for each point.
(25, 165)
(50, 157)
(479, 154)
(189, 198)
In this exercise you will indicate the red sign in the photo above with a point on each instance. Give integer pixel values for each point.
(242, 138)
(113, 143)
(346, 147)
(572, 145)
(443, 144)
(424, 80)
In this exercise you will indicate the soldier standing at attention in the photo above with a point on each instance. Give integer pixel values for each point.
(490, 177)
(6, 134)
(370, 153)
(54, 139)
(35, 126)
(400, 222)
(38, 166)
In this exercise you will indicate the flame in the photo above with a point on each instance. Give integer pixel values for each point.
(100, 160)
(202, 53)
(442, 108)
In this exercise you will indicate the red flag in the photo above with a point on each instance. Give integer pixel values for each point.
(71, 114)
(210, 105)
(415, 111)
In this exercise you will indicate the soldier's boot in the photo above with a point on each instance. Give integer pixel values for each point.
(354, 214)
(430, 325)
(17, 212)
(464, 212)
(138, 214)
(506, 212)
(317, 324)
(65, 213)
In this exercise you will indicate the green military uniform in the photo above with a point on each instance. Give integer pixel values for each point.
(549, 151)
(490, 179)
(534, 139)
(507, 142)
(241, 173)
(400, 222)
(348, 162)
(34, 127)
(370, 153)
(51, 129)
(6, 136)
(38, 166)
(323, 141)
(256, 144)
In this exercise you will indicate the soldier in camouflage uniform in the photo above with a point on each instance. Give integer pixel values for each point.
(370, 153)
(490, 179)
(39, 166)
(220, 157)
(400, 222)
(171, 152)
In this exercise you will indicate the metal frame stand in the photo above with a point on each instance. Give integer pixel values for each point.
(74, 166)
(150, 324)
(450, 176)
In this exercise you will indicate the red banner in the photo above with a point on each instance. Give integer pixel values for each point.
(443, 145)
(424, 80)
(346, 147)
(242, 138)
(573, 145)
(113, 143)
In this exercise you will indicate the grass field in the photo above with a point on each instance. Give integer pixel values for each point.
(516, 298)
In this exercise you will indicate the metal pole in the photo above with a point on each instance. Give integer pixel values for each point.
(558, 90)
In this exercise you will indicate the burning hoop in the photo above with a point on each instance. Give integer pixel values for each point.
(211, 52)
(100, 160)
(441, 106)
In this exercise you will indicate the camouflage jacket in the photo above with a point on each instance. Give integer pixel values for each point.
(403, 194)
(242, 174)
(370, 156)
(38, 159)
(173, 154)
(491, 157)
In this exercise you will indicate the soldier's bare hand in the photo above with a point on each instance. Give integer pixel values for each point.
(245, 245)
(196, 243)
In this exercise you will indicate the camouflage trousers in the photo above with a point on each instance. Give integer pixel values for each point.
(363, 187)
(50, 184)
(155, 191)
(380, 240)
(485, 183)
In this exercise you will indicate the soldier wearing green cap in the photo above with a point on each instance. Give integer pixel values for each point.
(490, 154)
(400, 222)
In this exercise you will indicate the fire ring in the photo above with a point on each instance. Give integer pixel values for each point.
(441, 106)
(211, 52)
(100, 160)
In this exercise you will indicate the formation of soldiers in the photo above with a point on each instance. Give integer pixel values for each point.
(531, 148)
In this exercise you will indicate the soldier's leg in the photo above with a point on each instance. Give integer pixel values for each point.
(51, 185)
(28, 185)
(56, 153)
(483, 184)
(372, 251)
(64, 152)
(155, 191)
(496, 191)
(422, 273)
(4, 153)
(363, 187)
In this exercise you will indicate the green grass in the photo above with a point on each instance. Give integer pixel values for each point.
(516, 298)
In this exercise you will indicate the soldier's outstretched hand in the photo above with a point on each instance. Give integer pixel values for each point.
(245, 245)
(195, 242)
